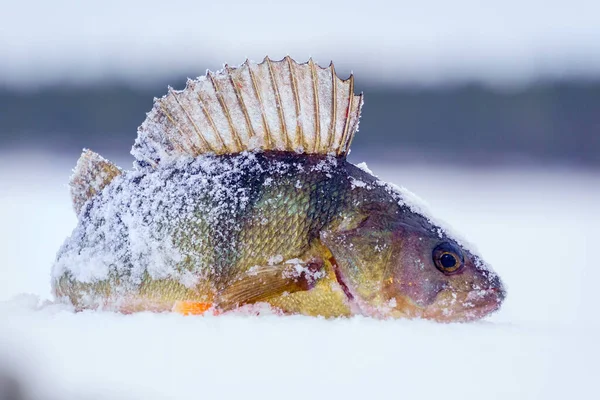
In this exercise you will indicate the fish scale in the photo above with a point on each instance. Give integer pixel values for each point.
(237, 240)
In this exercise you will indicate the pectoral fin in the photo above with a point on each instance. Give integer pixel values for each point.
(263, 282)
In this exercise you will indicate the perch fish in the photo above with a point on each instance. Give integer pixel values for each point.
(241, 195)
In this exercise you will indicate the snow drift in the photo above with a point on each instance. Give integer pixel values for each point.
(536, 228)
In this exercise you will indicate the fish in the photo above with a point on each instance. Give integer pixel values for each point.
(241, 197)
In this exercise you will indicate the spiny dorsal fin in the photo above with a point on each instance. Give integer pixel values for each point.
(91, 174)
(274, 105)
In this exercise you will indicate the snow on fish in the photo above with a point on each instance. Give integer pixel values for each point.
(241, 195)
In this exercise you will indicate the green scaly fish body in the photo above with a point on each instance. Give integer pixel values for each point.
(227, 215)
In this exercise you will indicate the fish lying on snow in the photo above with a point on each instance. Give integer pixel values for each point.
(241, 194)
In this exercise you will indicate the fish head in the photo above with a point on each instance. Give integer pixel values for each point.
(394, 263)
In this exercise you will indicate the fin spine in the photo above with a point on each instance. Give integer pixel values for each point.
(279, 105)
(268, 140)
(198, 133)
(344, 144)
(313, 73)
(212, 123)
(238, 94)
(351, 138)
(234, 133)
(174, 123)
(333, 106)
(299, 133)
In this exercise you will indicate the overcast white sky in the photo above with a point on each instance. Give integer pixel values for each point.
(428, 41)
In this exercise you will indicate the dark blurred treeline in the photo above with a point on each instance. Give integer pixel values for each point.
(545, 122)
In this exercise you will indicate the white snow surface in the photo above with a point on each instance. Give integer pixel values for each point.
(536, 227)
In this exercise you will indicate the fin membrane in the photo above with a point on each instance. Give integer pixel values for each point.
(192, 308)
(263, 282)
(91, 174)
(274, 105)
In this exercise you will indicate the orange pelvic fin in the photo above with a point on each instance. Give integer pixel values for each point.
(192, 308)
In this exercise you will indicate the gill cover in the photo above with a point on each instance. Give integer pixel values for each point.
(374, 248)
(393, 262)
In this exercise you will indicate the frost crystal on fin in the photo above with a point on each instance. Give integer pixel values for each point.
(91, 174)
(274, 105)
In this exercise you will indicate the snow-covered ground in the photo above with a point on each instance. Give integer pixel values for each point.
(537, 227)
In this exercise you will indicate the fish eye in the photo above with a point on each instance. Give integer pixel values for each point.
(448, 258)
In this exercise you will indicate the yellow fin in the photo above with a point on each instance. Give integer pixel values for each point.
(91, 174)
(263, 282)
(274, 105)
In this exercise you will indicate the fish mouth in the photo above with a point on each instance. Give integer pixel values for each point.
(465, 306)
(449, 306)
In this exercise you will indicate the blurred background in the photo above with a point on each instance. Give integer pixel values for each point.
(452, 82)
(490, 111)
